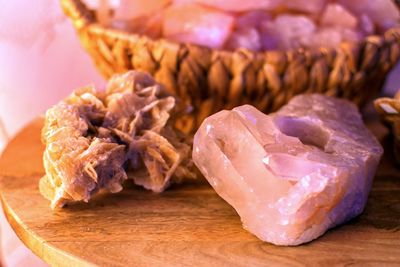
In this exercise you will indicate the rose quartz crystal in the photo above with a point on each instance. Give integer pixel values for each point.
(129, 9)
(335, 11)
(198, 25)
(331, 37)
(311, 6)
(247, 38)
(293, 174)
(251, 19)
(287, 32)
(256, 25)
(246, 33)
(382, 12)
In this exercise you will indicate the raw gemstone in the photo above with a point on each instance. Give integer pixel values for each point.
(311, 6)
(247, 38)
(150, 25)
(287, 32)
(366, 24)
(251, 19)
(333, 12)
(247, 31)
(269, 37)
(384, 13)
(96, 140)
(332, 37)
(198, 25)
(129, 9)
(293, 174)
(256, 25)
(326, 37)
(351, 35)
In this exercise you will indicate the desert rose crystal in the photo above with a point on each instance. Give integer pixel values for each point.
(293, 174)
(95, 140)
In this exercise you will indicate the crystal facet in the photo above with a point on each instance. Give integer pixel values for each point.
(293, 174)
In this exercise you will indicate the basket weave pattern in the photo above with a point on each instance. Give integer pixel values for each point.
(210, 80)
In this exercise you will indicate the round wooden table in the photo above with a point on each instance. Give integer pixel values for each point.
(187, 225)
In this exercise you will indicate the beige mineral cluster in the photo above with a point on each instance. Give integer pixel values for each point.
(95, 140)
(255, 25)
(293, 174)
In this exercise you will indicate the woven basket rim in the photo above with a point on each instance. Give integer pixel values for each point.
(84, 18)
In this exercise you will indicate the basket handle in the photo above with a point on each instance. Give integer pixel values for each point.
(79, 14)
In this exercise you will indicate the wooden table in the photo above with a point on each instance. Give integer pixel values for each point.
(187, 225)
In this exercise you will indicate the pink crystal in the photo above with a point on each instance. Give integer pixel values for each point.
(247, 31)
(384, 13)
(332, 37)
(366, 24)
(311, 6)
(252, 19)
(326, 37)
(287, 32)
(150, 25)
(196, 24)
(337, 15)
(129, 9)
(247, 38)
(351, 35)
(293, 174)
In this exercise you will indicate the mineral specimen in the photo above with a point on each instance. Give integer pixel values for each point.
(333, 12)
(288, 31)
(197, 24)
(384, 13)
(96, 140)
(293, 174)
(256, 25)
(311, 6)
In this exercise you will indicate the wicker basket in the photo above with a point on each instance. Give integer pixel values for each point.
(210, 80)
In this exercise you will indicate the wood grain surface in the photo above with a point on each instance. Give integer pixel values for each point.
(188, 225)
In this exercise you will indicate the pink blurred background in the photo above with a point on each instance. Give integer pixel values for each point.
(41, 61)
